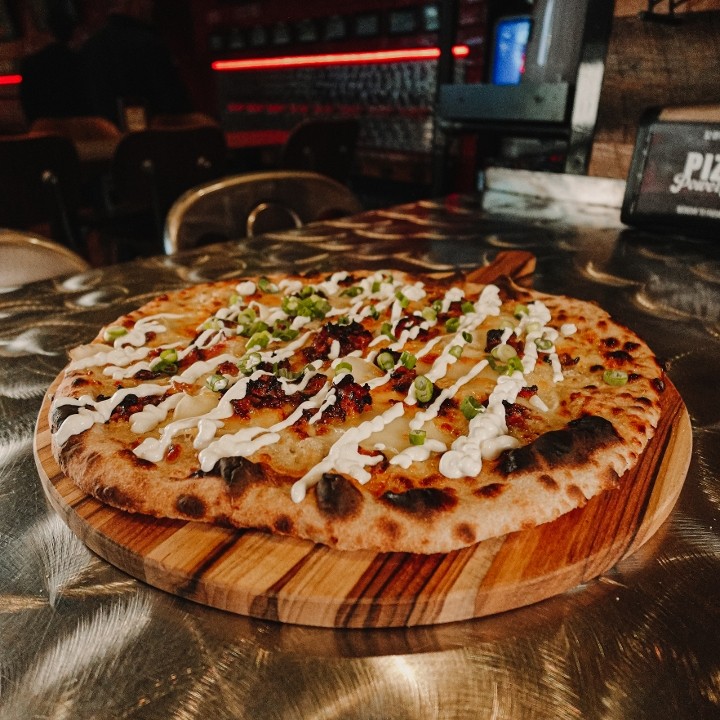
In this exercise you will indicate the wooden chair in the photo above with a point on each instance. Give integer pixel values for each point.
(326, 147)
(26, 258)
(152, 168)
(40, 186)
(251, 204)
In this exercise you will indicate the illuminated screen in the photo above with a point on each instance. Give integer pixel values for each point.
(511, 39)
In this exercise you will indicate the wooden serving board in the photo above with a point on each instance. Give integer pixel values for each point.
(295, 581)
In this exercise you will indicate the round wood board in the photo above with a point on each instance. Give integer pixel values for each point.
(295, 581)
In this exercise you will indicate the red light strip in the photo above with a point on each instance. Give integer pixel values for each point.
(353, 58)
(10, 79)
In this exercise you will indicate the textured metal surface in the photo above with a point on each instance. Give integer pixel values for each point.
(79, 639)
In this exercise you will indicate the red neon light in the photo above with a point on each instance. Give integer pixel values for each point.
(351, 58)
(10, 79)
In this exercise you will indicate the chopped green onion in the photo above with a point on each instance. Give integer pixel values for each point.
(246, 316)
(514, 363)
(166, 361)
(288, 374)
(402, 299)
(503, 352)
(114, 332)
(423, 388)
(456, 351)
(375, 287)
(496, 365)
(467, 307)
(385, 361)
(615, 377)
(283, 331)
(259, 339)
(343, 367)
(533, 327)
(386, 329)
(352, 291)
(216, 382)
(470, 407)
(344, 320)
(373, 312)
(417, 437)
(452, 324)
(507, 324)
(408, 359)
(521, 310)
(234, 299)
(543, 344)
(267, 286)
(467, 337)
(213, 323)
(437, 305)
(307, 291)
(429, 314)
(248, 362)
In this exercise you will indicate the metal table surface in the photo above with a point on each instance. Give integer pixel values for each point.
(80, 639)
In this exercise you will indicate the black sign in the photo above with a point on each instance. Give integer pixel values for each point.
(674, 179)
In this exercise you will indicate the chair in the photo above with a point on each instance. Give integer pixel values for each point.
(152, 168)
(251, 204)
(181, 120)
(322, 146)
(26, 258)
(40, 186)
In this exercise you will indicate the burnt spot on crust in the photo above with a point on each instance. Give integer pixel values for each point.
(79, 382)
(464, 533)
(191, 505)
(576, 495)
(283, 525)
(60, 414)
(492, 490)
(134, 459)
(659, 384)
(337, 497)
(114, 496)
(572, 446)
(617, 358)
(388, 529)
(548, 482)
(421, 501)
(239, 473)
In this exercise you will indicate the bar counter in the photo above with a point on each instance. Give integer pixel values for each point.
(81, 639)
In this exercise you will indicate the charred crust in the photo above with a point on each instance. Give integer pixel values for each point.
(421, 502)
(658, 384)
(283, 525)
(618, 357)
(548, 482)
(464, 533)
(191, 505)
(610, 342)
(492, 490)
(337, 497)
(571, 446)
(239, 473)
(114, 496)
(60, 414)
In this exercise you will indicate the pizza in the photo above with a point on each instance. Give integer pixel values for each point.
(374, 410)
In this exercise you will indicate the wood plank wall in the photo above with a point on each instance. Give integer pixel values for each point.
(651, 63)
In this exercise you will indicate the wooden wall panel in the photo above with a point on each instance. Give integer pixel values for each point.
(650, 63)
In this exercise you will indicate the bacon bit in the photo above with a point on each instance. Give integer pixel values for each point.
(566, 360)
(149, 337)
(132, 404)
(228, 368)
(528, 392)
(351, 337)
(351, 400)
(173, 452)
(494, 337)
(515, 415)
(402, 378)
(195, 355)
(408, 321)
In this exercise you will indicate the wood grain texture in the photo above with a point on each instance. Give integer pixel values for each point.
(295, 581)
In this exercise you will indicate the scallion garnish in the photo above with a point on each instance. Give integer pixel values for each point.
(267, 286)
(467, 307)
(386, 329)
(615, 377)
(248, 362)
(402, 299)
(417, 437)
(114, 332)
(408, 359)
(452, 324)
(216, 382)
(385, 361)
(424, 388)
(429, 314)
(166, 361)
(467, 337)
(503, 352)
(456, 351)
(521, 310)
(470, 407)
(514, 363)
(343, 367)
(352, 291)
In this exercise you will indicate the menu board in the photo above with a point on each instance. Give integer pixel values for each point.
(674, 179)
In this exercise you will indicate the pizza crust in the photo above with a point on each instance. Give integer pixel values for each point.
(579, 441)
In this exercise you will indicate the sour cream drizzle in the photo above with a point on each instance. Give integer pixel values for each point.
(487, 432)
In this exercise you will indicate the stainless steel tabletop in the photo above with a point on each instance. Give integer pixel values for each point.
(80, 639)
